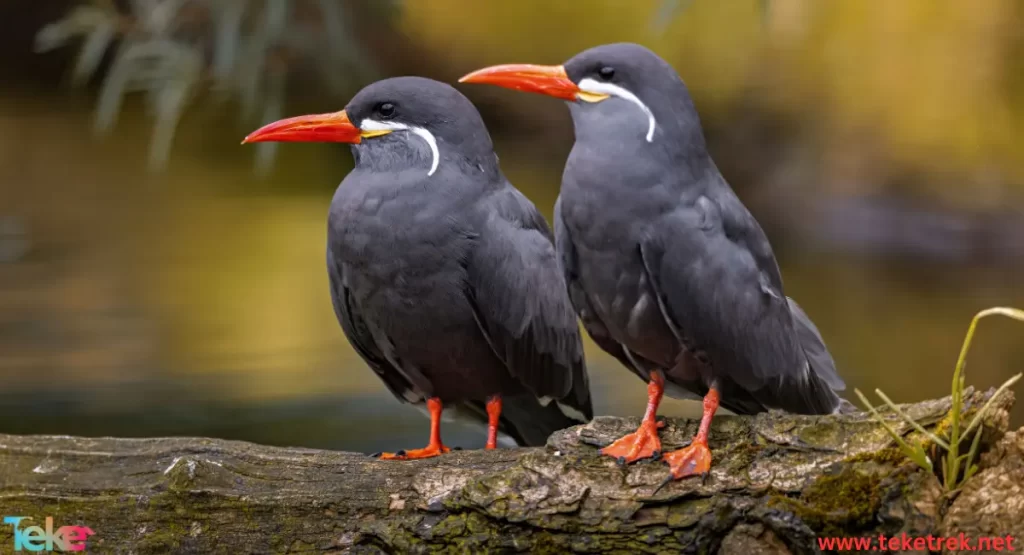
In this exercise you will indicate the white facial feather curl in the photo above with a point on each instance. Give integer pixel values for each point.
(374, 125)
(596, 87)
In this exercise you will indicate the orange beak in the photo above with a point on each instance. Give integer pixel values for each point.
(549, 80)
(317, 128)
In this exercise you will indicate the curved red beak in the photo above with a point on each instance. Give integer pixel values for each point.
(317, 128)
(549, 80)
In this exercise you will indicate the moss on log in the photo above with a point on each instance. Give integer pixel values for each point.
(777, 482)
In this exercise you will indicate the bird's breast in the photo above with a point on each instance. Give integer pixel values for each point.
(606, 236)
(623, 299)
(397, 242)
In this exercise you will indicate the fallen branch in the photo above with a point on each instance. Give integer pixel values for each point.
(777, 483)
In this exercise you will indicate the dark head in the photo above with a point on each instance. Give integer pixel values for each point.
(397, 124)
(615, 91)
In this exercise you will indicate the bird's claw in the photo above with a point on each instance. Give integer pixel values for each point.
(668, 480)
(693, 460)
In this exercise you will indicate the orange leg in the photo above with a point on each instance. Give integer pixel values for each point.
(644, 442)
(435, 447)
(695, 458)
(493, 415)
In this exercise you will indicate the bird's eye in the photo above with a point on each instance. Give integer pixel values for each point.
(386, 110)
(606, 73)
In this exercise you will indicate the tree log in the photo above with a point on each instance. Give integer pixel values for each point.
(777, 483)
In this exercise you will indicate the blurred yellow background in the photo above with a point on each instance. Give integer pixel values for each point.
(881, 145)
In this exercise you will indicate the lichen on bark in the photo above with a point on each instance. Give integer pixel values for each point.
(777, 482)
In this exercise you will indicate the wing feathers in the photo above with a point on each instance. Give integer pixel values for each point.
(519, 298)
(714, 294)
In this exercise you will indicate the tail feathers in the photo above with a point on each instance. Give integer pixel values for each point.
(529, 423)
(817, 353)
(846, 407)
(578, 403)
(818, 396)
(809, 391)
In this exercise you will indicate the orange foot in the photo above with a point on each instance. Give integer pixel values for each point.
(691, 460)
(425, 453)
(641, 444)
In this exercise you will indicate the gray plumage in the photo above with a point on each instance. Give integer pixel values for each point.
(665, 266)
(448, 284)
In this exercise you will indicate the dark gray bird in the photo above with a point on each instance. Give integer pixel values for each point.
(667, 269)
(443, 275)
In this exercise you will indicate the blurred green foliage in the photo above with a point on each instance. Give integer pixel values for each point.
(175, 50)
(929, 88)
(182, 308)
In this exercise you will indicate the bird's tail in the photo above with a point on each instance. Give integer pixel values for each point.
(824, 380)
(814, 347)
(529, 422)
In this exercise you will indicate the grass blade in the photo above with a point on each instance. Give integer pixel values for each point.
(906, 418)
(945, 474)
(915, 454)
(970, 469)
(984, 409)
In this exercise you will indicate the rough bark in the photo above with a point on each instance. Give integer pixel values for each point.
(777, 482)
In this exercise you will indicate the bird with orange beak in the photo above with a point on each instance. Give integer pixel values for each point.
(442, 274)
(667, 269)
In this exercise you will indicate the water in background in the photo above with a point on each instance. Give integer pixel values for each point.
(195, 302)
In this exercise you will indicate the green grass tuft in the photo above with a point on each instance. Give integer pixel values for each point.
(952, 462)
